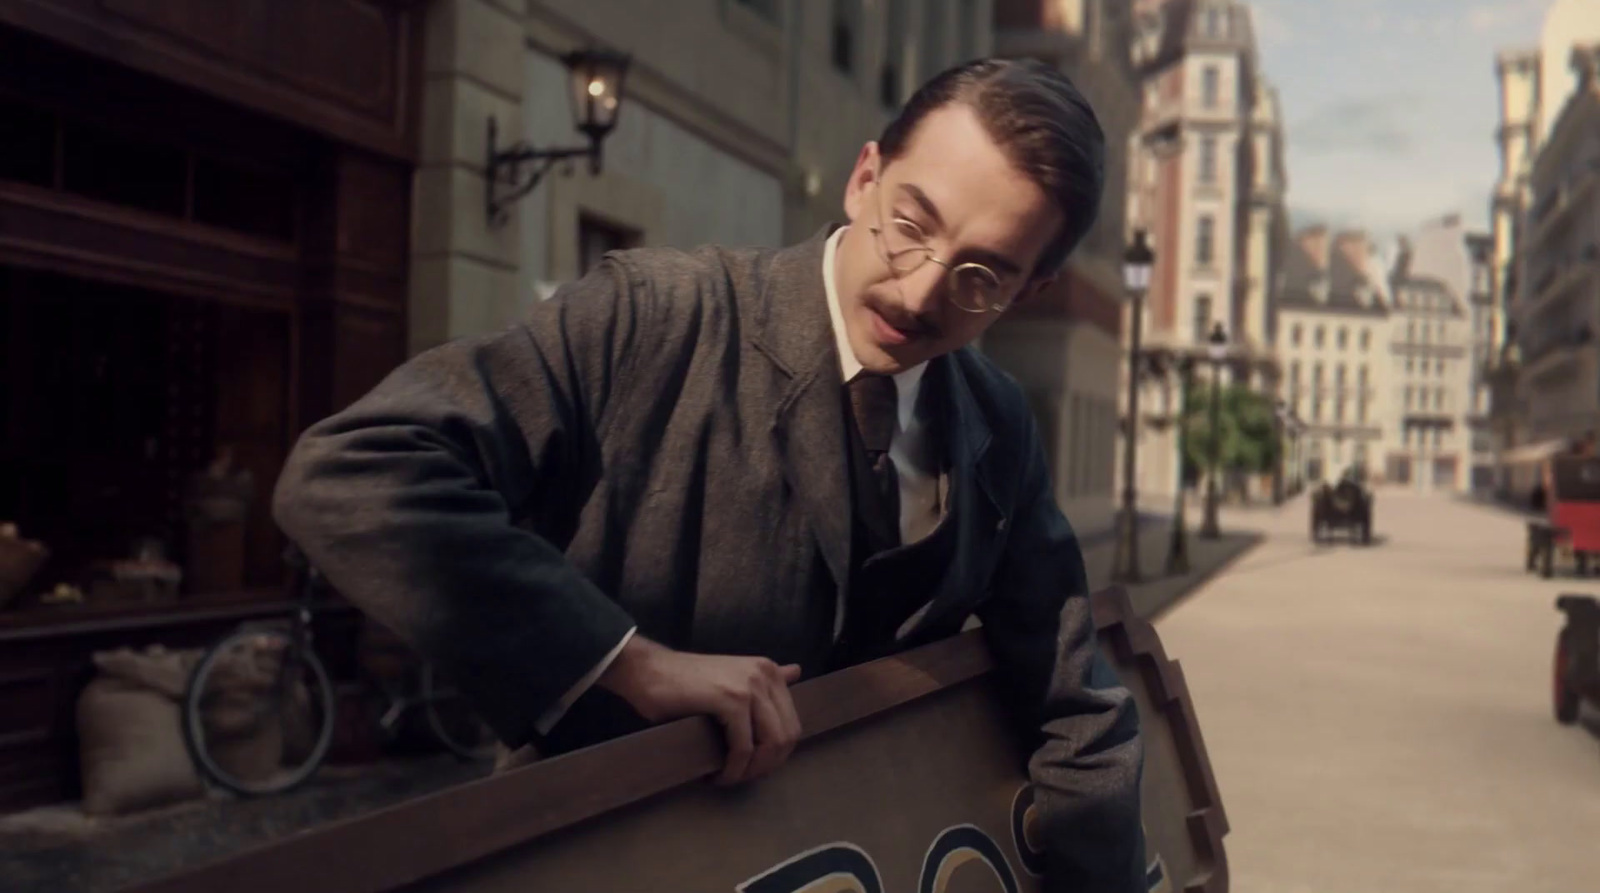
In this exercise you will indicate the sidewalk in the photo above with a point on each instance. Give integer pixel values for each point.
(1157, 591)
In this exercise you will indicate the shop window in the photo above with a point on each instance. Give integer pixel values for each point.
(257, 202)
(120, 169)
(27, 144)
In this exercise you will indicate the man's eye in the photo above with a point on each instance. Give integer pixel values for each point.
(909, 229)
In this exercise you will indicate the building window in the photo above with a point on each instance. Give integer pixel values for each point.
(1338, 410)
(1408, 396)
(1209, 86)
(1338, 375)
(894, 51)
(1294, 373)
(1405, 437)
(1366, 338)
(1438, 435)
(1316, 409)
(1411, 330)
(1208, 159)
(845, 15)
(967, 29)
(1316, 375)
(1203, 244)
(1439, 366)
(1344, 338)
(1202, 317)
(1316, 337)
(933, 50)
(1361, 410)
(596, 237)
(1438, 399)
(1213, 21)
(1294, 335)
(1362, 376)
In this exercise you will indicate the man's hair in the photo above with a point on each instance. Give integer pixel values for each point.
(1040, 120)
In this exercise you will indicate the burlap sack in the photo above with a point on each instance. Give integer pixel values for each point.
(131, 752)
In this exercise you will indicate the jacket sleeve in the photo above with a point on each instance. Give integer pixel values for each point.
(408, 500)
(1081, 723)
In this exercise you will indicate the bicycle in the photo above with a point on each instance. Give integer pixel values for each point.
(259, 709)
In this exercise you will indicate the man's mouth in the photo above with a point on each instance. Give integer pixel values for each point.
(886, 332)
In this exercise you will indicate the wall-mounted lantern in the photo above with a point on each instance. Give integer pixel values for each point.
(596, 78)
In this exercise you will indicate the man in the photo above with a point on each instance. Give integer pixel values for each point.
(658, 497)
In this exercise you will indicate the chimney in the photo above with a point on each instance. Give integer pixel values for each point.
(1352, 247)
(1586, 64)
(1314, 242)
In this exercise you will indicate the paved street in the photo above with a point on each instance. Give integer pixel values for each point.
(1379, 718)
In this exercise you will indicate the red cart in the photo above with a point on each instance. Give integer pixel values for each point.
(1571, 524)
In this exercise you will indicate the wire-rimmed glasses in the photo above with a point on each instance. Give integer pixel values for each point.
(904, 247)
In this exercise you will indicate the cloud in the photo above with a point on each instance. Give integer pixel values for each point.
(1380, 125)
(1271, 25)
(1488, 18)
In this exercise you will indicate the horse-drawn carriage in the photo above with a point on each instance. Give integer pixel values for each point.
(1571, 525)
(1343, 506)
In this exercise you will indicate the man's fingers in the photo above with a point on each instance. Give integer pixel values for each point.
(790, 718)
(741, 744)
(770, 739)
(791, 673)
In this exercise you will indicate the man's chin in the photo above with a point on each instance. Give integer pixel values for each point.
(886, 359)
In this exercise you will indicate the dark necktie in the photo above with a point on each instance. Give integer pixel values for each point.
(875, 404)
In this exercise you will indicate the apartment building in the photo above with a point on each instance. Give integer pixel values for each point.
(1534, 84)
(740, 122)
(1429, 442)
(1207, 180)
(1558, 310)
(1063, 347)
(1332, 318)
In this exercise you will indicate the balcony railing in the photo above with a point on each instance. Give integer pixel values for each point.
(1565, 272)
(1554, 342)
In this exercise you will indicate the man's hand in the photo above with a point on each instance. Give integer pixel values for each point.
(748, 695)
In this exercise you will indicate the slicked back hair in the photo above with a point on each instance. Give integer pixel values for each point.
(1040, 120)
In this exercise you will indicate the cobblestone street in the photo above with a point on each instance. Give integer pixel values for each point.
(1379, 718)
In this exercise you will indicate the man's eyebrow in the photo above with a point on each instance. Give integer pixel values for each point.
(997, 262)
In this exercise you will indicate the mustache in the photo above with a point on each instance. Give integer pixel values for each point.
(916, 325)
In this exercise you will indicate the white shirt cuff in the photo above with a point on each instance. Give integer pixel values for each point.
(559, 709)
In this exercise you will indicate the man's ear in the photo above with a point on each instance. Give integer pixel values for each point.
(861, 179)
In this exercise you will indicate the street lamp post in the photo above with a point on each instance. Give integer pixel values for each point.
(1280, 427)
(1136, 263)
(1217, 352)
(1178, 547)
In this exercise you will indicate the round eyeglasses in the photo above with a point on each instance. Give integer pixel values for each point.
(904, 247)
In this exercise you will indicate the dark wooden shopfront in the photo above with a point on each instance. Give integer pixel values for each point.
(204, 236)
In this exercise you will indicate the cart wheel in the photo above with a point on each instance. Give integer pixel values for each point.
(1533, 555)
(1583, 563)
(1547, 561)
(1366, 532)
(1565, 698)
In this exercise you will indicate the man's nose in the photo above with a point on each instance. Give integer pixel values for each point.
(923, 288)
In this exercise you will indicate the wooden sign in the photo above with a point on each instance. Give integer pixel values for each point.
(906, 781)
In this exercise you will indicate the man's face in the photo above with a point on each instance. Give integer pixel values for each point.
(954, 186)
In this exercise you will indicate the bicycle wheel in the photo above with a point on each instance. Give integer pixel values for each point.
(452, 719)
(258, 713)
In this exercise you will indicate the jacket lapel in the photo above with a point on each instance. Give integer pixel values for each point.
(973, 505)
(794, 332)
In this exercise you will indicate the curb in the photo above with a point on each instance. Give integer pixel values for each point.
(1205, 576)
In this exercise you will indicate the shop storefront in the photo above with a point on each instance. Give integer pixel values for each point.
(204, 237)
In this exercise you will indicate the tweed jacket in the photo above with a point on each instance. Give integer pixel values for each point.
(662, 444)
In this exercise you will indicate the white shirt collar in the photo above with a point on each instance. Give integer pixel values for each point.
(907, 383)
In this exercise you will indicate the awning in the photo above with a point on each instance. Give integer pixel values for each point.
(1534, 452)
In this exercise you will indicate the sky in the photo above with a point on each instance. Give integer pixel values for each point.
(1390, 105)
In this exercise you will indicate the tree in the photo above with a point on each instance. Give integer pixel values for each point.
(1247, 426)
